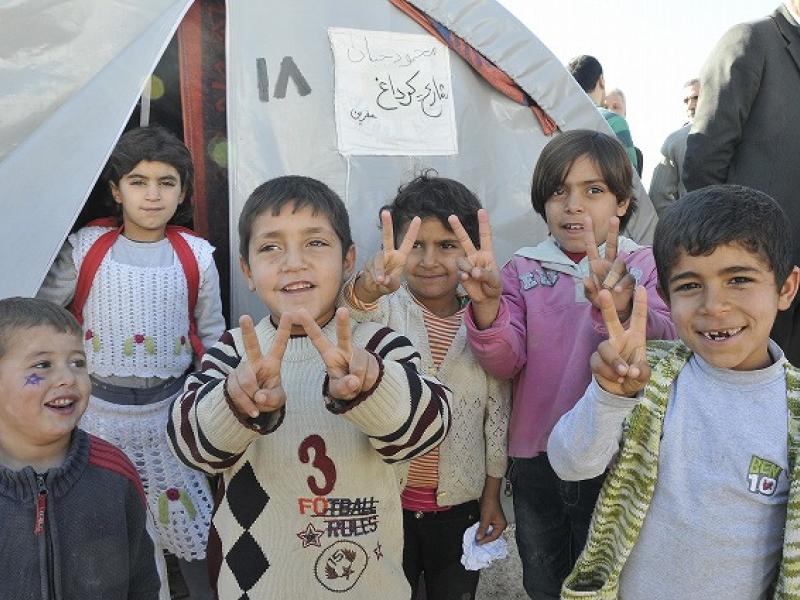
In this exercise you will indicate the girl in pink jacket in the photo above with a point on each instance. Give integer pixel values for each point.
(537, 321)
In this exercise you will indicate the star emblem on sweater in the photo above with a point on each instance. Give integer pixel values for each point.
(310, 536)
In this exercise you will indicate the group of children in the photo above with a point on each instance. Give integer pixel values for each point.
(359, 429)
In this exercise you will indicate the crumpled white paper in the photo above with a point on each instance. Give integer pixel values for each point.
(476, 557)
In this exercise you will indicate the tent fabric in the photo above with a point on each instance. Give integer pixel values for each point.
(498, 139)
(496, 78)
(76, 70)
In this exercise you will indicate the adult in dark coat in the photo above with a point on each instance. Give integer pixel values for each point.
(747, 126)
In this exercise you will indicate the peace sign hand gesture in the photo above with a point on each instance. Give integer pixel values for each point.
(382, 274)
(610, 272)
(478, 270)
(255, 386)
(350, 370)
(620, 363)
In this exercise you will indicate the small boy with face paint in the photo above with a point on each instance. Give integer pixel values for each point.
(702, 499)
(72, 506)
(305, 416)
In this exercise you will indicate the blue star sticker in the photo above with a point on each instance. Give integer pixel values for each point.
(33, 379)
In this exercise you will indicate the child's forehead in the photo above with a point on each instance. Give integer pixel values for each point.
(720, 258)
(38, 340)
(292, 215)
(153, 168)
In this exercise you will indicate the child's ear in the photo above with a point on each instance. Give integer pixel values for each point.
(114, 192)
(663, 295)
(622, 207)
(251, 285)
(789, 289)
(349, 262)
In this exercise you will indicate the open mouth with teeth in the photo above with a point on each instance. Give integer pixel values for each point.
(574, 227)
(720, 335)
(61, 404)
(299, 286)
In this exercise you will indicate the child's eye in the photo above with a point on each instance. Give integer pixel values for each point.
(596, 190)
(686, 287)
(417, 245)
(136, 182)
(559, 191)
(740, 280)
(448, 246)
(268, 248)
(80, 363)
(169, 183)
(42, 364)
(318, 243)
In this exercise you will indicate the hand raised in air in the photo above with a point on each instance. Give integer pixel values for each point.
(620, 363)
(351, 370)
(383, 273)
(609, 272)
(255, 386)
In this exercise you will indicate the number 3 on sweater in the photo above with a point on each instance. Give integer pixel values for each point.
(321, 461)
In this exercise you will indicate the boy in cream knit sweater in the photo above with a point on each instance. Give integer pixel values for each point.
(458, 483)
(303, 416)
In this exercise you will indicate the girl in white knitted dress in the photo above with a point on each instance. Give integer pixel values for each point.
(458, 483)
(147, 294)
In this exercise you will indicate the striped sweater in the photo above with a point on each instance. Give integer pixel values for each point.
(628, 489)
(309, 502)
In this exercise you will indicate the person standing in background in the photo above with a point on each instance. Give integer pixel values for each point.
(747, 126)
(666, 185)
(588, 72)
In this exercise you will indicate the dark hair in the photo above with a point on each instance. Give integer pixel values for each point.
(586, 70)
(718, 215)
(561, 152)
(152, 144)
(300, 191)
(431, 196)
(25, 313)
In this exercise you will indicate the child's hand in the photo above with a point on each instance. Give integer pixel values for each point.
(350, 370)
(382, 274)
(493, 521)
(478, 270)
(620, 363)
(255, 386)
(609, 273)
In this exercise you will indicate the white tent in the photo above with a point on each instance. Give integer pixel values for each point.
(71, 72)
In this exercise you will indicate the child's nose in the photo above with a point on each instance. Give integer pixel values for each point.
(293, 259)
(714, 301)
(573, 203)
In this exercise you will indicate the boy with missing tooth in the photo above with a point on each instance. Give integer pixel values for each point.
(702, 500)
(72, 508)
(304, 416)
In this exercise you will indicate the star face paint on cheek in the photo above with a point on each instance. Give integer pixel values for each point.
(33, 379)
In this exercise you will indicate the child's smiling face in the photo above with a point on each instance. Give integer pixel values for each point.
(431, 271)
(295, 260)
(583, 193)
(724, 304)
(44, 389)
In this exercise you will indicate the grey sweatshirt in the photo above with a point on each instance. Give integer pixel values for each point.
(715, 526)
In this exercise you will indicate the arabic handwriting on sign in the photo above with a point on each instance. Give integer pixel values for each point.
(430, 96)
(357, 54)
(361, 115)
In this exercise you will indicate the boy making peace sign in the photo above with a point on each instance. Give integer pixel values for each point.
(304, 414)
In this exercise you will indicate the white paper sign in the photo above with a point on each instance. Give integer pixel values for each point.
(393, 93)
